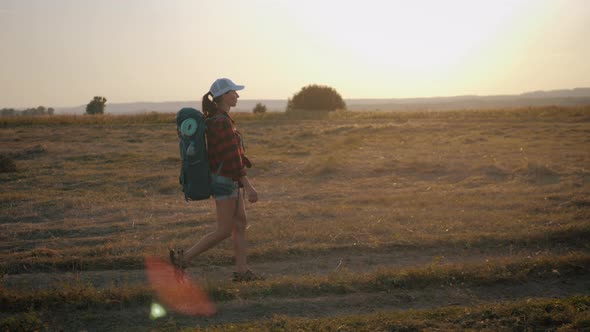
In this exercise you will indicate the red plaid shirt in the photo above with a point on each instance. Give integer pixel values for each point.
(224, 144)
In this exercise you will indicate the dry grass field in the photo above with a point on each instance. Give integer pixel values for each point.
(367, 221)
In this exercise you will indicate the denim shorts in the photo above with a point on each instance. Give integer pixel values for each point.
(228, 181)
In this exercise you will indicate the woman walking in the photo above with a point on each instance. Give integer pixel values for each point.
(225, 151)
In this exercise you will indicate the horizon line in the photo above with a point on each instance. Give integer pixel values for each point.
(351, 99)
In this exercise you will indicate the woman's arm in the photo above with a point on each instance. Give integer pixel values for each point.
(251, 193)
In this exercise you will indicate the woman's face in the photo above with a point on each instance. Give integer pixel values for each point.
(230, 98)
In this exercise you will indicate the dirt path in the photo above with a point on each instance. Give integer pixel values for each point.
(360, 303)
(136, 318)
(316, 264)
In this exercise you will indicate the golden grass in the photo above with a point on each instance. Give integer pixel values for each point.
(99, 193)
(364, 179)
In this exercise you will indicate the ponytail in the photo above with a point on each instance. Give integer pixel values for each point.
(208, 105)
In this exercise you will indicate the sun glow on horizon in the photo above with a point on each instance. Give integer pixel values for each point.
(150, 51)
(380, 40)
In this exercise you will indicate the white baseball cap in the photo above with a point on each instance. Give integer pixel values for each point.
(222, 86)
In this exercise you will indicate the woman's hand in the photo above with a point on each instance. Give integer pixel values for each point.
(251, 194)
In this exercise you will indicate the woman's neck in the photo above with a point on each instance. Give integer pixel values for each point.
(223, 107)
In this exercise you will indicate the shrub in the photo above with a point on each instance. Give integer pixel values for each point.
(96, 105)
(316, 97)
(259, 108)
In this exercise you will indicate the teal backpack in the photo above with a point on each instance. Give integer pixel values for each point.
(195, 177)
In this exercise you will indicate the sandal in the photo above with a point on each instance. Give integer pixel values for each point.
(177, 258)
(246, 276)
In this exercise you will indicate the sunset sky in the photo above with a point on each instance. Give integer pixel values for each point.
(59, 53)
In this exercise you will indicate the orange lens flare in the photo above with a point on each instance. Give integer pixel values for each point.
(175, 290)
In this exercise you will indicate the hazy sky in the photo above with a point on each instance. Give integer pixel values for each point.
(63, 52)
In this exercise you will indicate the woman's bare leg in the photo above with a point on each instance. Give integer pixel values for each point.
(239, 236)
(225, 226)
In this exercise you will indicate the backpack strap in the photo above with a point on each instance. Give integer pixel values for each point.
(219, 168)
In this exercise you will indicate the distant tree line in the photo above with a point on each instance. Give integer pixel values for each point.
(40, 110)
